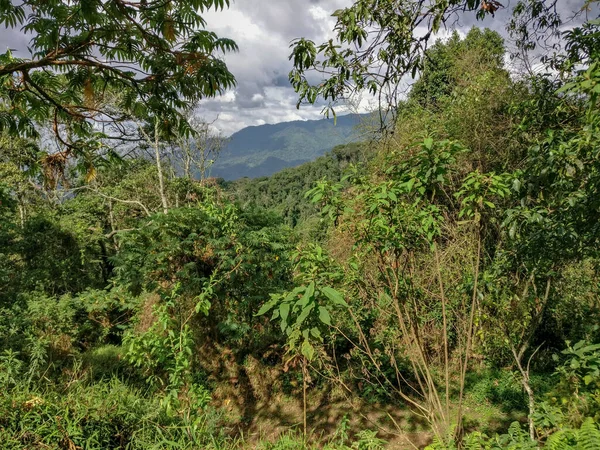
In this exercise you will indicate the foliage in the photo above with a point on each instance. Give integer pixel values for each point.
(283, 192)
(305, 312)
(365, 440)
(575, 394)
(445, 261)
(166, 59)
(374, 48)
(105, 415)
(443, 61)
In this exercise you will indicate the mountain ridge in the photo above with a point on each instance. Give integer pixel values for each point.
(261, 150)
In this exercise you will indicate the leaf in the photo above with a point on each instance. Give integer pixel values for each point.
(324, 315)
(308, 350)
(284, 311)
(512, 230)
(517, 185)
(294, 293)
(307, 297)
(267, 306)
(304, 314)
(334, 296)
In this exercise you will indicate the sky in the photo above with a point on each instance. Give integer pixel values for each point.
(263, 30)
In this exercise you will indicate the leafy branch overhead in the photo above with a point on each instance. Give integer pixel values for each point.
(376, 47)
(94, 64)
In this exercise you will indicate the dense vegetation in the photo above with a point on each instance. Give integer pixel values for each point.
(441, 282)
(284, 192)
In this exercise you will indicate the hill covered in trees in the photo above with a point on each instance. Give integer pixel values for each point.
(262, 150)
(437, 287)
(284, 192)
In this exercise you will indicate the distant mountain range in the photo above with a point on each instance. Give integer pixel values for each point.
(265, 149)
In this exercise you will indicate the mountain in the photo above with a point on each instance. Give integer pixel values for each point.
(265, 149)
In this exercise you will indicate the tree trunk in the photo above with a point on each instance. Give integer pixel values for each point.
(304, 373)
(161, 182)
(526, 385)
(531, 407)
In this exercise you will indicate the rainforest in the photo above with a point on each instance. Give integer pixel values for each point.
(431, 283)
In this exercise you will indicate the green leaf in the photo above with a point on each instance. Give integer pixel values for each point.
(308, 350)
(304, 314)
(517, 185)
(307, 297)
(284, 311)
(324, 315)
(267, 306)
(334, 296)
(294, 293)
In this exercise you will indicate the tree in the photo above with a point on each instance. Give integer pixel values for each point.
(376, 45)
(194, 155)
(442, 66)
(94, 65)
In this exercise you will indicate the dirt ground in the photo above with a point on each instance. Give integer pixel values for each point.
(261, 401)
(257, 406)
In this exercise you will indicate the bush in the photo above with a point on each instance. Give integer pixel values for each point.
(105, 415)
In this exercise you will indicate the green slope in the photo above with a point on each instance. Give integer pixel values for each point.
(266, 149)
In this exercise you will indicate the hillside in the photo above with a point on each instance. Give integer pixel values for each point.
(283, 192)
(263, 150)
(431, 286)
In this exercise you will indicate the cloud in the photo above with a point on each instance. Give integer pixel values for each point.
(263, 31)
(11, 39)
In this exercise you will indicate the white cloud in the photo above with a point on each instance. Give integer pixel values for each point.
(263, 31)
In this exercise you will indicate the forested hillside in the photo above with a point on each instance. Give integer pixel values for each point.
(437, 287)
(262, 150)
(284, 192)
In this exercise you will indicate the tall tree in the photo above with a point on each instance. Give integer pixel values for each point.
(378, 43)
(93, 65)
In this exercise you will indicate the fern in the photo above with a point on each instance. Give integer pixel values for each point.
(438, 444)
(475, 441)
(519, 438)
(588, 437)
(558, 441)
